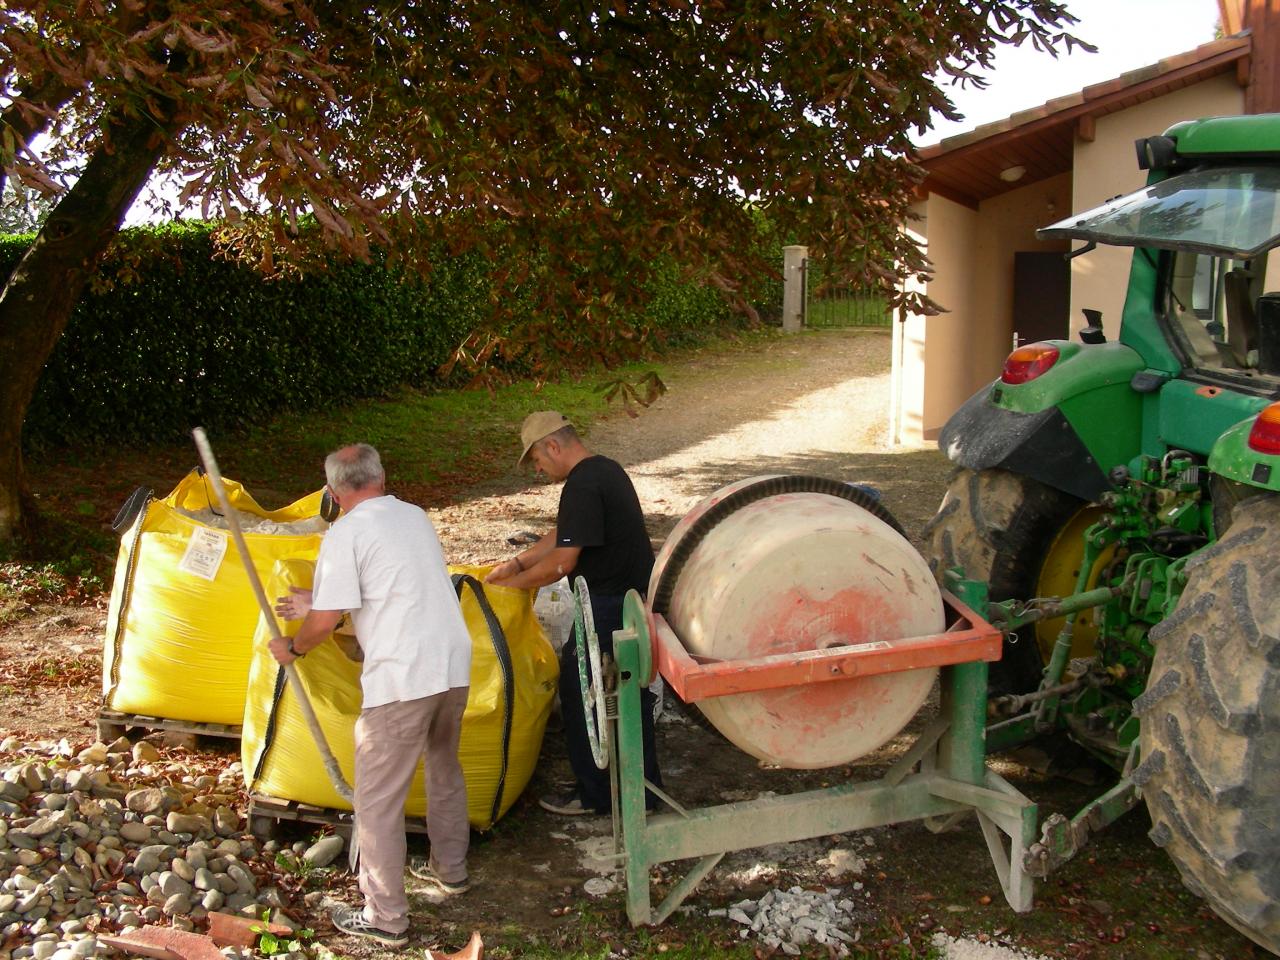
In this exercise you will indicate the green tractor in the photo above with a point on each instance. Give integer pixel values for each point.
(1118, 496)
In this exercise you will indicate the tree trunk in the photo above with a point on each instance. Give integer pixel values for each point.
(46, 284)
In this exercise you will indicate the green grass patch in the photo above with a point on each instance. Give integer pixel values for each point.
(435, 445)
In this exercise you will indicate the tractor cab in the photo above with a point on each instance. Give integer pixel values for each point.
(1208, 231)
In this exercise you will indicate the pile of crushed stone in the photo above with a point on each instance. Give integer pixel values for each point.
(789, 920)
(252, 524)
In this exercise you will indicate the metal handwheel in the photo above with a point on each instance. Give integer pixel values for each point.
(592, 687)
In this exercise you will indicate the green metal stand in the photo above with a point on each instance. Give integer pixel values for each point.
(941, 778)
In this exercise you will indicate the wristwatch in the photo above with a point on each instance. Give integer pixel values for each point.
(293, 652)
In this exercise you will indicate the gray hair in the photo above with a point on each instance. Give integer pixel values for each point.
(354, 468)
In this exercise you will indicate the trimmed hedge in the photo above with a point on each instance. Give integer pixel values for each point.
(183, 338)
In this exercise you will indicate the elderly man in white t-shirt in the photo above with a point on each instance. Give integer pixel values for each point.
(382, 562)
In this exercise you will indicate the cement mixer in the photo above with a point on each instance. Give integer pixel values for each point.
(795, 615)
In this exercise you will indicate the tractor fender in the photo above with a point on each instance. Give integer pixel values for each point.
(1042, 445)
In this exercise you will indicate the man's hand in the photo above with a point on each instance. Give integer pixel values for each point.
(279, 646)
(293, 607)
(503, 571)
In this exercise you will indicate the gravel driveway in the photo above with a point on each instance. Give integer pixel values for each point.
(814, 404)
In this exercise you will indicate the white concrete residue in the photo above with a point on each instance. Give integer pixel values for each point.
(841, 862)
(596, 854)
(966, 948)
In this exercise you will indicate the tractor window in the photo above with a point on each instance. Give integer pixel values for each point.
(1217, 211)
(1222, 317)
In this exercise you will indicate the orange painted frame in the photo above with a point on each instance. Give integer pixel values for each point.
(967, 639)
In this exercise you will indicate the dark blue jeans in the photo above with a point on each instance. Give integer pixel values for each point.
(593, 783)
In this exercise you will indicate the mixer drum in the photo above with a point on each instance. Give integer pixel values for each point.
(793, 571)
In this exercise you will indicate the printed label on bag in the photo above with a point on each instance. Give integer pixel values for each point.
(205, 551)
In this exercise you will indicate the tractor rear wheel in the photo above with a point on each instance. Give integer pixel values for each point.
(1015, 533)
(1210, 770)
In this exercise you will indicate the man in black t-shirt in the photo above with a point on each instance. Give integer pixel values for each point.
(600, 536)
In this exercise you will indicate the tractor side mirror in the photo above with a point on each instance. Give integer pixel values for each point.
(1092, 333)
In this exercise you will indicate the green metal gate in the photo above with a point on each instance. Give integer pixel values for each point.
(830, 303)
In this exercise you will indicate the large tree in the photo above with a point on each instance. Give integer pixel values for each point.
(576, 142)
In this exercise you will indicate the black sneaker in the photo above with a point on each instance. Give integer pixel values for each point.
(421, 868)
(567, 804)
(352, 922)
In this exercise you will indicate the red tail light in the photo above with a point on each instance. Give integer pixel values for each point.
(1027, 363)
(1265, 434)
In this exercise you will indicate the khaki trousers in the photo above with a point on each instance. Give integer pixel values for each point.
(389, 740)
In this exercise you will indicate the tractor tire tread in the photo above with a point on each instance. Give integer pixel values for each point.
(1211, 725)
(998, 526)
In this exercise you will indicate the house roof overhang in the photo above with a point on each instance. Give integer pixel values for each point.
(967, 168)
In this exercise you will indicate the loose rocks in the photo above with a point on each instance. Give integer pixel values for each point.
(789, 920)
(110, 838)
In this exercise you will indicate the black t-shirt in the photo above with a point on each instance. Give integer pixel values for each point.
(600, 512)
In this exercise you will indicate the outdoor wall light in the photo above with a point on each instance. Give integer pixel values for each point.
(1013, 174)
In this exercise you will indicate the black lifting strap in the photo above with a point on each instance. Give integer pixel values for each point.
(270, 735)
(503, 653)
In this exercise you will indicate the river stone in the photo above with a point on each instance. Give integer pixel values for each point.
(22, 840)
(15, 792)
(178, 905)
(213, 899)
(7, 900)
(324, 851)
(197, 858)
(144, 800)
(173, 884)
(144, 752)
(183, 869)
(97, 753)
(225, 820)
(243, 878)
(227, 884)
(43, 826)
(229, 848)
(28, 901)
(191, 823)
(204, 879)
(29, 858)
(129, 918)
(44, 949)
(135, 832)
(32, 778)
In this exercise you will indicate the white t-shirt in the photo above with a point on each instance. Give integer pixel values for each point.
(383, 562)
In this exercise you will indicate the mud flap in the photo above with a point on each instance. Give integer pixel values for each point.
(1042, 445)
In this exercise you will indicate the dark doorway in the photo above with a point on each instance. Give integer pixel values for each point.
(1041, 297)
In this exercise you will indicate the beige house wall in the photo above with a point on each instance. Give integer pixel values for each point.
(1108, 166)
(939, 362)
(921, 344)
(964, 348)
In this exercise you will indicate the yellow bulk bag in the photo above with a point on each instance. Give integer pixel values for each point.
(513, 683)
(182, 616)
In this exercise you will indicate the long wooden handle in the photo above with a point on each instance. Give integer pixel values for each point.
(233, 521)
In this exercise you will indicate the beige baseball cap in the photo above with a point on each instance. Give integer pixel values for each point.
(536, 426)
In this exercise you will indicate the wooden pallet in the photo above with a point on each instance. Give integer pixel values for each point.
(112, 724)
(266, 813)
